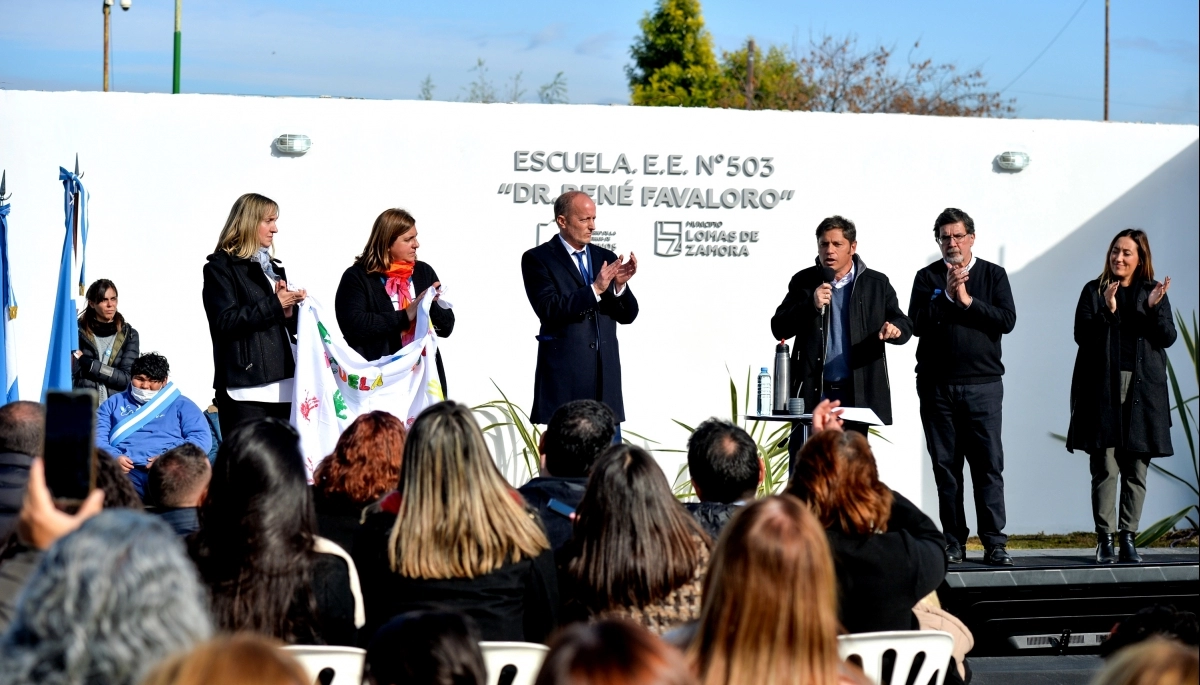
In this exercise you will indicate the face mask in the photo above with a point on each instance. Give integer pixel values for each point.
(142, 396)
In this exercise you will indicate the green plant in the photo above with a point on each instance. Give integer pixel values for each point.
(518, 418)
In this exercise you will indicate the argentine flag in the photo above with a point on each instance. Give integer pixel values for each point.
(8, 342)
(64, 328)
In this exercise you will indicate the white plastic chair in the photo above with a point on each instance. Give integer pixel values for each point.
(525, 657)
(346, 663)
(938, 646)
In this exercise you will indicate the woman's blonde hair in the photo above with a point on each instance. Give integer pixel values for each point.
(240, 235)
(770, 601)
(241, 659)
(376, 256)
(458, 517)
(1156, 661)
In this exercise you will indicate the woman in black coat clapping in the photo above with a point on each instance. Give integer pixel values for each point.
(1120, 410)
(377, 300)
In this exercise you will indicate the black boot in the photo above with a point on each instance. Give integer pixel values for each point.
(1129, 553)
(1105, 554)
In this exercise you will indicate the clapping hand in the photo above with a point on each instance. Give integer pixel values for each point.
(605, 276)
(1160, 289)
(288, 298)
(956, 286)
(1110, 296)
(626, 270)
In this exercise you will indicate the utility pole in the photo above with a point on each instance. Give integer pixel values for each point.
(107, 23)
(1106, 3)
(750, 74)
(178, 46)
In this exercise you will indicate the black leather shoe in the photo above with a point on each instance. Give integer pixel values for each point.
(954, 553)
(1105, 552)
(1129, 553)
(997, 556)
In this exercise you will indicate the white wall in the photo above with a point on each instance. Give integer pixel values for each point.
(163, 171)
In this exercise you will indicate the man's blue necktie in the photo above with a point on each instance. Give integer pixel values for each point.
(583, 270)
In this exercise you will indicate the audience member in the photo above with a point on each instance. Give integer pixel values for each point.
(612, 652)
(106, 603)
(21, 434)
(770, 602)
(1154, 662)
(108, 345)
(578, 431)
(257, 549)
(23, 553)
(1160, 620)
(147, 419)
(426, 648)
(364, 466)
(887, 553)
(456, 536)
(239, 659)
(177, 483)
(726, 471)
(636, 552)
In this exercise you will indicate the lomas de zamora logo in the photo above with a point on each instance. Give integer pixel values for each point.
(700, 239)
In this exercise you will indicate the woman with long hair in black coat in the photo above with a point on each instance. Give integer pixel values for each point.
(108, 345)
(378, 296)
(1120, 410)
(251, 317)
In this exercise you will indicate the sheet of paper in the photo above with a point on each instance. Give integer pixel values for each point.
(861, 415)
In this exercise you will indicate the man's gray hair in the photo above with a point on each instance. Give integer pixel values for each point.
(106, 603)
(562, 203)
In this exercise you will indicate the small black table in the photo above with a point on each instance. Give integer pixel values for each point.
(801, 421)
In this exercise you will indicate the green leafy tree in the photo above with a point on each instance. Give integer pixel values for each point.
(674, 63)
(776, 83)
(554, 92)
(427, 87)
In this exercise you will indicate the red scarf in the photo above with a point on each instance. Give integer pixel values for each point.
(399, 278)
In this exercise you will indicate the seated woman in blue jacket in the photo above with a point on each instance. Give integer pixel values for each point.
(148, 418)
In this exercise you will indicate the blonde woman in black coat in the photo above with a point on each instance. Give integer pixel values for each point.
(1120, 410)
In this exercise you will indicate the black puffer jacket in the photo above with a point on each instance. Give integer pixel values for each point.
(89, 371)
(251, 337)
(712, 516)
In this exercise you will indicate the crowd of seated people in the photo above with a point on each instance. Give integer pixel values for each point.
(412, 545)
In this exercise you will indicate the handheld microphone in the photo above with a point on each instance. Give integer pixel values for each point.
(827, 276)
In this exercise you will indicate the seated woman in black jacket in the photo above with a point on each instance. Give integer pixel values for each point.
(251, 317)
(887, 554)
(108, 345)
(377, 300)
(258, 551)
(455, 536)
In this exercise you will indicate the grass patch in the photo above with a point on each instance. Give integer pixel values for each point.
(1082, 540)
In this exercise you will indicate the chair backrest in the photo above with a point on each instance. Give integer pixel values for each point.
(330, 665)
(513, 663)
(936, 645)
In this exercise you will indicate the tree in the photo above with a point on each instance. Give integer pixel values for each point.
(555, 92)
(481, 89)
(427, 88)
(673, 58)
(777, 78)
(844, 80)
(515, 90)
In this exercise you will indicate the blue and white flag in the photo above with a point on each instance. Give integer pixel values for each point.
(146, 413)
(8, 341)
(64, 328)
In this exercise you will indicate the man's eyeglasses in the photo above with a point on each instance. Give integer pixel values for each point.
(956, 239)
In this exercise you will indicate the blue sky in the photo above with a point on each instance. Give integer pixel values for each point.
(377, 49)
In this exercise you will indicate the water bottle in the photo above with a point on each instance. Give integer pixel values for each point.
(764, 392)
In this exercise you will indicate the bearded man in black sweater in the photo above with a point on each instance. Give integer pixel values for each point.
(961, 306)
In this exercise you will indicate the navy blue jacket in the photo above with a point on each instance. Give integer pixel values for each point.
(578, 357)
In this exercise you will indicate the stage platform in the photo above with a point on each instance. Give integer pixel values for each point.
(1027, 608)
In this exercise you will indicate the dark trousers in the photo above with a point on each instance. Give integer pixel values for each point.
(962, 422)
(232, 413)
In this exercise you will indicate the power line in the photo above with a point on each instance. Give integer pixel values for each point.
(1039, 56)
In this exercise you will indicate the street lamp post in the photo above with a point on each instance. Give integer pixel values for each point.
(178, 46)
(125, 5)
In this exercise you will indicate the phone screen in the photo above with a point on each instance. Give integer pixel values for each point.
(69, 452)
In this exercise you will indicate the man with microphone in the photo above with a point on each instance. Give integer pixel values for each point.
(841, 314)
(960, 307)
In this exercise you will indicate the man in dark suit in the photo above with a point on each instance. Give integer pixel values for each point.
(580, 293)
(841, 314)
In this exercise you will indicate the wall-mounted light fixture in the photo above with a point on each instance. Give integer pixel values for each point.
(1012, 161)
(293, 144)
